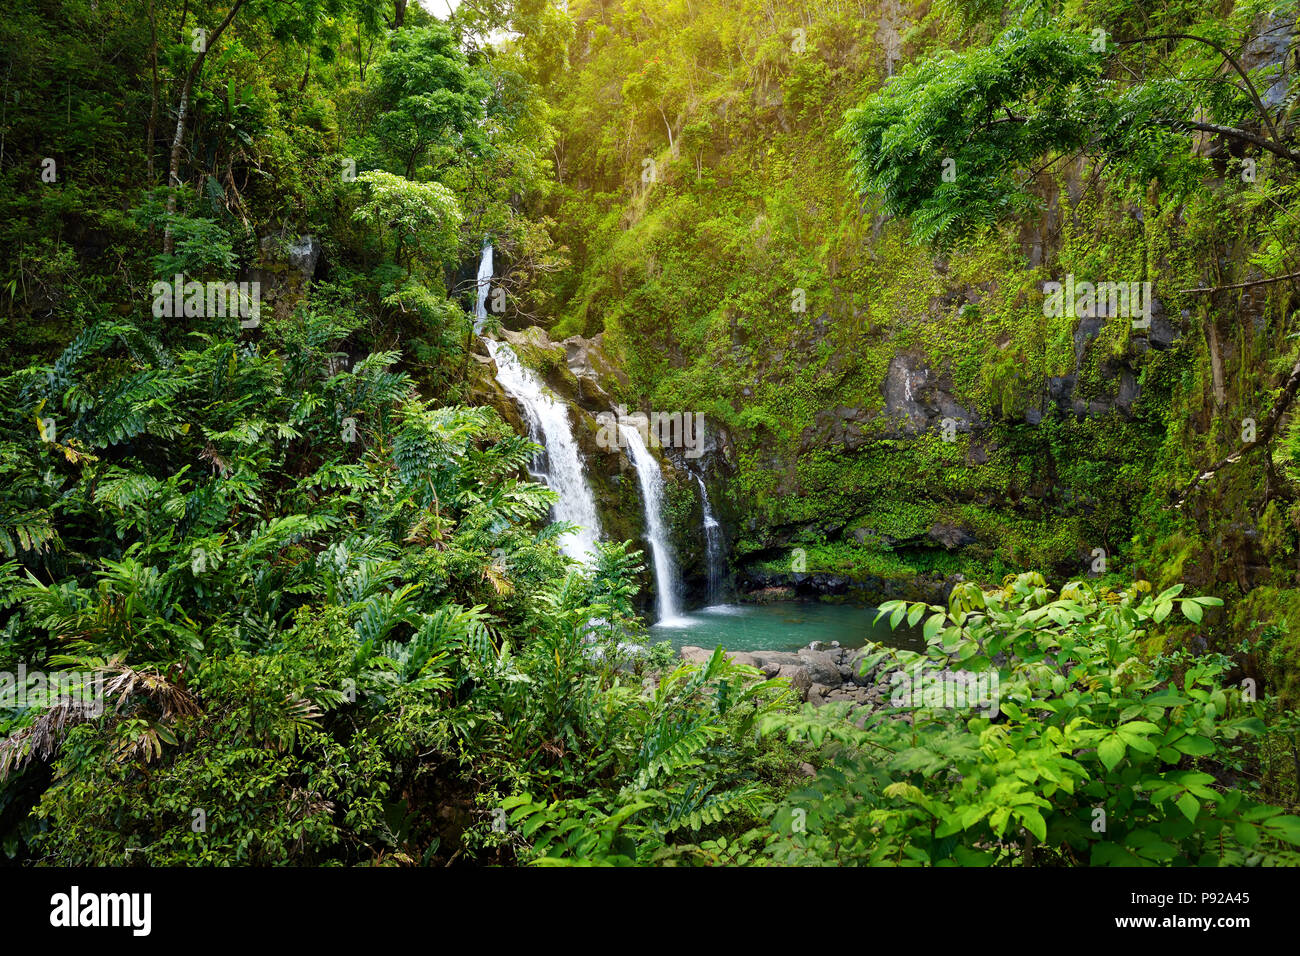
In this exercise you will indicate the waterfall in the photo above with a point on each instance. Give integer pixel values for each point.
(712, 545)
(562, 470)
(560, 464)
(484, 286)
(652, 493)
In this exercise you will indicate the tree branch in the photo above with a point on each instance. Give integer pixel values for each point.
(1250, 87)
(1247, 285)
(1230, 131)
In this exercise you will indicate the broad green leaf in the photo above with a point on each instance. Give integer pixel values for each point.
(1033, 822)
(1111, 751)
(1195, 746)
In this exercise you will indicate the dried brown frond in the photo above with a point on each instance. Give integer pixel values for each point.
(428, 529)
(41, 739)
(72, 451)
(172, 699)
(495, 573)
(211, 454)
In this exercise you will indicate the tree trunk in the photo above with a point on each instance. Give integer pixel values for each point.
(174, 164)
(361, 68)
(1263, 435)
(672, 148)
(150, 139)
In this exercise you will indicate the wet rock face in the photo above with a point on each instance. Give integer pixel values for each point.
(1089, 328)
(594, 371)
(288, 264)
(1129, 389)
(950, 536)
(485, 390)
(1119, 374)
(300, 254)
(611, 478)
(918, 399)
(594, 383)
(841, 425)
(303, 254)
(1268, 46)
(759, 586)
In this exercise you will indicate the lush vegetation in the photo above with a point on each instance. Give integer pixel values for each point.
(1091, 756)
(298, 552)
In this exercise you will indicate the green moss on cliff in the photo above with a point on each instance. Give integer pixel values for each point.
(745, 280)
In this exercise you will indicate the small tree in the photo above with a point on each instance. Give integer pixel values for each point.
(423, 218)
(436, 99)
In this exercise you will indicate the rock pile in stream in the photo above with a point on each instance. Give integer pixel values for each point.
(819, 674)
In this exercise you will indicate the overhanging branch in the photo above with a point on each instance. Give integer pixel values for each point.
(1230, 60)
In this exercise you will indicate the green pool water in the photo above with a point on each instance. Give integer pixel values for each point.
(782, 627)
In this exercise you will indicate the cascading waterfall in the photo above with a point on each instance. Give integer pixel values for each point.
(548, 419)
(652, 494)
(484, 287)
(712, 545)
(548, 423)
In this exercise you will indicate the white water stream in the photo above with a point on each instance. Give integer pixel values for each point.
(652, 494)
(548, 424)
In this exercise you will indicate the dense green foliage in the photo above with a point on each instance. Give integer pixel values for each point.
(989, 115)
(1094, 757)
(306, 635)
(301, 553)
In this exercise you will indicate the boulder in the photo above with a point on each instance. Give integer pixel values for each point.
(950, 536)
(856, 695)
(798, 677)
(599, 378)
(776, 657)
(694, 655)
(823, 667)
(303, 254)
(854, 664)
(285, 266)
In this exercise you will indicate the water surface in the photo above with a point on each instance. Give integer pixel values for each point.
(785, 626)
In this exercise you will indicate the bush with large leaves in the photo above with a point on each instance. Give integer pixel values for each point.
(1097, 755)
